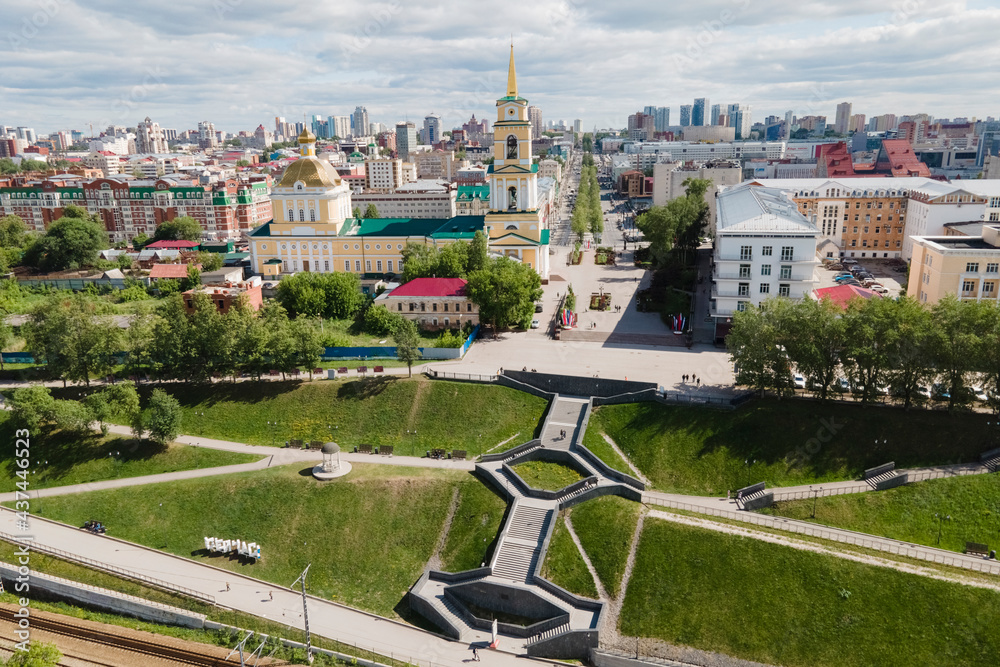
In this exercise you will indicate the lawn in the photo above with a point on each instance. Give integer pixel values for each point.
(707, 452)
(908, 512)
(564, 566)
(547, 475)
(474, 527)
(368, 535)
(61, 459)
(773, 604)
(411, 415)
(599, 447)
(605, 527)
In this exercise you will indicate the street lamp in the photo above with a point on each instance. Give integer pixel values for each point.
(115, 457)
(941, 520)
(815, 497)
(274, 427)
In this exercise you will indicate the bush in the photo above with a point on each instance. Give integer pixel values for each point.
(378, 321)
(450, 339)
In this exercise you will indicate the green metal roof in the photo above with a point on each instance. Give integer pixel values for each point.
(460, 227)
(473, 191)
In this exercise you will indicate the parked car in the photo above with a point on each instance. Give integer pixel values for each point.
(923, 391)
(842, 385)
(538, 307)
(534, 324)
(848, 260)
(799, 382)
(979, 394)
(878, 289)
(940, 392)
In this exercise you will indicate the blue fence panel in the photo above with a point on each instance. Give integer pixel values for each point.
(360, 353)
(17, 358)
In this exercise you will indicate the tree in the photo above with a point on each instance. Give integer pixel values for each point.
(6, 336)
(39, 654)
(33, 165)
(193, 279)
(13, 231)
(873, 325)
(162, 417)
(371, 212)
(356, 213)
(31, 406)
(505, 291)
(754, 350)
(69, 335)
(140, 241)
(331, 295)
(308, 346)
(183, 228)
(478, 253)
(210, 261)
(407, 343)
(812, 333)
(380, 321)
(119, 399)
(910, 349)
(954, 343)
(242, 163)
(71, 242)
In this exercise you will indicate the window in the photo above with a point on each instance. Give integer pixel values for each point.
(511, 147)
(992, 267)
(468, 307)
(741, 306)
(864, 244)
(784, 290)
(854, 243)
(399, 306)
(378, 265)
(423, 307)
(347, 265)
(312, 215)
(866, 229)
(744, 270)
(291, 215)
(744, 289)
(878, 230)
(368, 266)
(972, 267)
(856, 218)
(787, 252)
(434, 307)
(746, 252)
(389, 266)
(968, 285)
(302, 215)
(766, 251)
(786, 273)
(844, 230)
(988, 288)
(765, 270)
(357, 265)
(326, 265)
(446, 307)
(765, 288)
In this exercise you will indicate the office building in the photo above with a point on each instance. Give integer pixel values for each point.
(701, 105)
(359, 122)
(406, 140)
(843, 119)
(149, 137)
(535, 118)
(432, 129)
(685, 115)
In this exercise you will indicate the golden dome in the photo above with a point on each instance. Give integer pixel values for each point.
(307, 137)
(312, 172)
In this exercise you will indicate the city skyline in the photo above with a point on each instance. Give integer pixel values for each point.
(404, 62)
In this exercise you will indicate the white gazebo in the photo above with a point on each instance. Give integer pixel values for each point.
(331, 467)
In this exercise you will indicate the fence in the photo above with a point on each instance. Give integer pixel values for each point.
(112, 569)
(468, 377)
(683, 398)
(839, 489)
(884, 544)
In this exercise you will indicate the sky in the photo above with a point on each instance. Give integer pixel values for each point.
(66, 64)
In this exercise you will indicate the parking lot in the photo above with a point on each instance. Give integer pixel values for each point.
(882, 271)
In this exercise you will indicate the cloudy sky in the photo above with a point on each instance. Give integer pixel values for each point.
(69, 63)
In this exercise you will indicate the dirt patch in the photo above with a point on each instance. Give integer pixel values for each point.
(434, 563)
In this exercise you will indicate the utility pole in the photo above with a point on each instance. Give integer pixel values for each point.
(305, 611)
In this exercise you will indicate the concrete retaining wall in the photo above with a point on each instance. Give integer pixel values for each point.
(760, 502)
(104, 599)
(899, 480)
(506, 599)
(499, 456)
(572, 385)
(571, 645)
(598, 491)
(633, 397)
(521, 386)
(608, 471)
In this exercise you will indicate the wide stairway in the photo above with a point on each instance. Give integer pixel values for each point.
(521, 545)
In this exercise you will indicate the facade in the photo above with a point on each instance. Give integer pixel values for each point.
(550, 169)
(711, 133)
(842, 123)
(359, 122)
(149, 138)
(383, 174)
(964, 266)
(225, 297)
(738, 116)
(432, 303)
(535, 117)
(645, 154)
(406, 139)
(432, 129)
(472, 200)
(685, 115)
(437, 164)
(206, 135)
(106, 161)
(128, 207)
(422, 199)
(669, 177)
(935, 204)
(764, 247)
(698, 111)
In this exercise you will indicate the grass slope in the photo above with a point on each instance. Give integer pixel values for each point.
(907, 512)
(368, 535)
(595, 442)
(705, 452)
(773, 604)
(61, 459)
(412, 415)
(564, 566)
(547, 475)
(474, 527)
(605, 527)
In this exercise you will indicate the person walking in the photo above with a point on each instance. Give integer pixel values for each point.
(270, 596)
(475, 654)
(227, 586)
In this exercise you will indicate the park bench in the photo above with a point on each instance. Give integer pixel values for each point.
(436, 453)
(317, 371)
(295, 443)
(273, 373)
(379, 369)
(385, 450)
(364, 449)
(342, 370)
(976, 549)
(315, 444)
(362, 369)
(458, 454)
(296, 372)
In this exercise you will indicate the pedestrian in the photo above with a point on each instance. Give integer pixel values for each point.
(475, 653)
(227, 586)
(270, 596)
(692, 377)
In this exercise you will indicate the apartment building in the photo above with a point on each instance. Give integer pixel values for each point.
(967, 267)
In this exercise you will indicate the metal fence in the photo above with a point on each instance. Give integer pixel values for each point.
(112, 569)
(468, 377)
(821, 492)
(886, 545)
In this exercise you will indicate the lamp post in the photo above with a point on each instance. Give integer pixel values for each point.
(941, 519)
(115, 457)
(815, 497)
(274, 427)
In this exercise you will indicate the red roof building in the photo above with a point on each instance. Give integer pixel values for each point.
(896, 157)
(432, 287)
(834, 161)
(165, 271)
(174, 245)
(433, 303)
(843, 294)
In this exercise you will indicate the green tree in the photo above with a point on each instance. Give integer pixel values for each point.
(755, 352)
(813, 335)
(183, 228)
(873, 325)
(407, 341)
(505, 291)
(478, 253)
(13, 231)
(32, 406)
(39, 654)
(33, 165)
(193, 279)
(910, 349)
(210, 261)
(242, 163)
(330, 295)
(69, 335)
(371, 212)
(162, 417)
(956, 339)
(6, 336)
(356, 213)
(380, 321)
(8, 166)
(71, 242)
(307, 343)
(140, 241)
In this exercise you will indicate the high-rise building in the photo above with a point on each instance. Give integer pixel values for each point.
(206, 135)
(698, 110)
(339, 126)
(535, 118)
(318, 126)
(432, 129)
(857, 123)
(843, 121)
(738, 116)
(577, 126)
(28, 134)
(716, 112)
(789, 116)
(359, 122)
(685, 115)
(406, 139)
(149, 137)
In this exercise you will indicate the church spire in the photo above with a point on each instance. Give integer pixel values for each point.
(511, 75)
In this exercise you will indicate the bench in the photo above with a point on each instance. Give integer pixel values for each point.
(362, 369)
(379, 369)
(436, 454)
(342, 370)
(458, 454)
(364, 449)
(385, 450)
(317, 371)
(274, 373)
(295, 443)
(315, 444)
(976, 549)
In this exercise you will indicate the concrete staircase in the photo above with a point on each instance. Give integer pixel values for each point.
(548, 634)
(520, 548)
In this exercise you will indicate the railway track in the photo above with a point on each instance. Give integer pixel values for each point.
(121, 642)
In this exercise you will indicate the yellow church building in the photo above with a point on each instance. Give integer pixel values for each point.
(313, 230)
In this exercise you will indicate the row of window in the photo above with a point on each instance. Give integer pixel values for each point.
(434, 307)
(969, 287)
(765, 288)
(291, 265)
(973, 267)
(864, 243)
(765, 270)
(787, 252)
(878, 230)
(347, 246)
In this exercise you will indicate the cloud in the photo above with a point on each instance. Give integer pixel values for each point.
(69, 63)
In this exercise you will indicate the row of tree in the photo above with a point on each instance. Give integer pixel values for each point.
(456, 260)
(678, 224)
(587, 213)
(875, 344)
